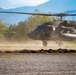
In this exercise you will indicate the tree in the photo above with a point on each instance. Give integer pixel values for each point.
(21, 32)
(10, 32)
(3, 29)
(35, 20)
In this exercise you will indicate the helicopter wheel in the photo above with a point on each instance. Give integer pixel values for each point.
(44, 43)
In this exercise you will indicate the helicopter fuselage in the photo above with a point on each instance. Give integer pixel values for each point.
(60, 30)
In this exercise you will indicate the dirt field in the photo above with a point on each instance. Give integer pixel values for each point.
(37, 64)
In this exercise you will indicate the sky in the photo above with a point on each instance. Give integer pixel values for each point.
(8, 4)
(54, 4)
(63, 4)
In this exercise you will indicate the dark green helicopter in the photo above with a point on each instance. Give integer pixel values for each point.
(54, 30)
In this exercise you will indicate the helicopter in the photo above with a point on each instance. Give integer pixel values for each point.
(57, 30)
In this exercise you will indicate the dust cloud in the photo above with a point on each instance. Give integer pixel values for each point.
(34, 45)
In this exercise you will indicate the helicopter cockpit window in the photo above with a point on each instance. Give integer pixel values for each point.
(36, 27)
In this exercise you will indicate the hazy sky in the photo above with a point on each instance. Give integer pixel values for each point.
(7, 4)
(55, 5)
(63, 4)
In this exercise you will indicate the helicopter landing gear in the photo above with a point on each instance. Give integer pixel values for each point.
(60, 44)
(44, 43)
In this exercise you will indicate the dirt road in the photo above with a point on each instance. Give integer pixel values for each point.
(37, 64)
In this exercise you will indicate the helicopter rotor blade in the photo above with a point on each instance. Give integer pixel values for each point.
(59, 14)
(25, 13)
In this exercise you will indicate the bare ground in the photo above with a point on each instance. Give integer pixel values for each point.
(37, 64)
